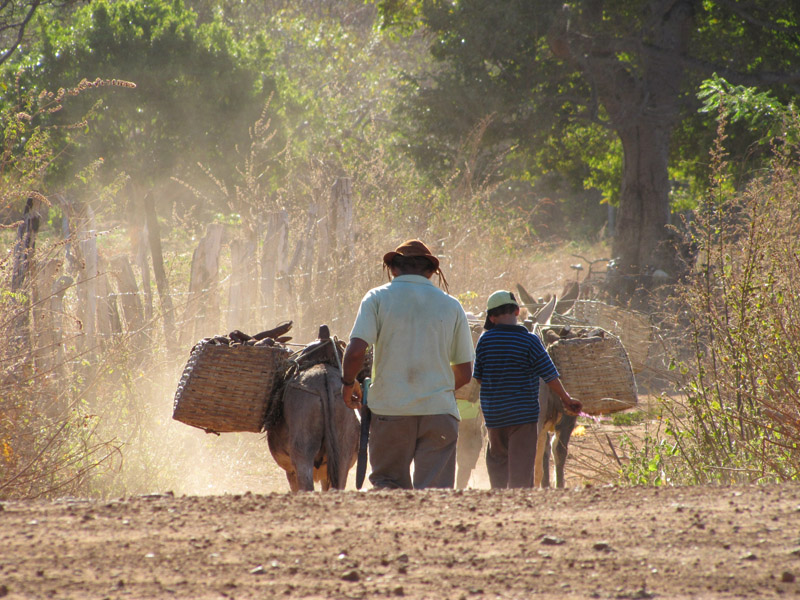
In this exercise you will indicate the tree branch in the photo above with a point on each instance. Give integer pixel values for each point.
(20, 27)
(738, 77)
(737, 9)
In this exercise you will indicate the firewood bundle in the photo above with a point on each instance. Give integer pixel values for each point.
(568, 332)
(271, 337)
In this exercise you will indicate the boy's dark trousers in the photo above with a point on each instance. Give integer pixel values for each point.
(511, 455)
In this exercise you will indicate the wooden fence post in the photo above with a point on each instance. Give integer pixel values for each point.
(154, 236)
(25, 244)
(201, 317)
(108, 321)
(87, 281)
(139, 237)
(274, 263)
(307, 246)
(302, 265)
(342, 219)
(243, 291)
(324, 260)
(44, 326)
(138, 233)
(128, 293)
(21, 269)
(335, 240)
(60, 287)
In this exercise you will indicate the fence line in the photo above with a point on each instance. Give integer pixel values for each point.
(80, 301)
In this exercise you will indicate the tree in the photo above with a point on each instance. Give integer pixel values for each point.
(631, 67)
(197, 88)
(15, 17)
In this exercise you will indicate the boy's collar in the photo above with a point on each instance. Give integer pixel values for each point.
(509, 327)
(506, 319)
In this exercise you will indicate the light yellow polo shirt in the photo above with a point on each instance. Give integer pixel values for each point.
(417, 332)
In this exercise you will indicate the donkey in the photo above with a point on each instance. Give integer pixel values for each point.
(314, 436)
(554, 423)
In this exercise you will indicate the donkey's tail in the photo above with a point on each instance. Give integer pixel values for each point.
(332, 442)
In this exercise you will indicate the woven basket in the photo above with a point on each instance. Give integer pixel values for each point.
(597, 372)
(226, 389)
(633, 328)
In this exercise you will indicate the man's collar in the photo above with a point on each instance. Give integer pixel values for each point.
(412, 279)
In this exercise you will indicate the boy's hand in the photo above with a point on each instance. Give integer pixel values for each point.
(571, 406)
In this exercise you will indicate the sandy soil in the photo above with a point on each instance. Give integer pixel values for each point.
(584, 542)
(232, 530)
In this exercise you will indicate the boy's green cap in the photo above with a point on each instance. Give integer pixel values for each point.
(499, 298)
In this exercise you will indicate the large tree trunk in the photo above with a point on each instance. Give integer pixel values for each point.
(642, 99)
(640, 242)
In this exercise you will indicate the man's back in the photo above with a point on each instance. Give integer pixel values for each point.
(417, 332)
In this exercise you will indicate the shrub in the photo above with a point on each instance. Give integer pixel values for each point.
(739, 321)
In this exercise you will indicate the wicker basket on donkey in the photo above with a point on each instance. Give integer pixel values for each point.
(633, 328)
(227, 388)
(596, 371)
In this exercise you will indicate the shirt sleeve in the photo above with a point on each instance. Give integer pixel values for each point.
(463, 351)
(366, 323)
(477, 369)
(543, 365)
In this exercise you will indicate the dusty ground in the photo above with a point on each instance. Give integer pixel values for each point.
(584, 542)
(233, 531)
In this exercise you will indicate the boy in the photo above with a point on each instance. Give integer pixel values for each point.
(508, 364)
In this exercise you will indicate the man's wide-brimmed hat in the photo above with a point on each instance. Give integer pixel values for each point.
(411, 248)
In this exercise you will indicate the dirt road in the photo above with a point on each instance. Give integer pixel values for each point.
(606, 542)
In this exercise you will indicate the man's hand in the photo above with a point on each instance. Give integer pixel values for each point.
(351, 394)
(352, 361)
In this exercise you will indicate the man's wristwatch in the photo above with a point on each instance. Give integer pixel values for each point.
(348, 382)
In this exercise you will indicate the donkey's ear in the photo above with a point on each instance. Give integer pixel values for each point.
(544, 314)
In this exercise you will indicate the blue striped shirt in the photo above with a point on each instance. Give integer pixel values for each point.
(509, 360)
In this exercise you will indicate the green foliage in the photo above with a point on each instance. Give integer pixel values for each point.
(737, 102)
(197, 88)
(561, 80)
(758, 110)
(404, 16)
(651, 461)
(628, 418)
(493, 62)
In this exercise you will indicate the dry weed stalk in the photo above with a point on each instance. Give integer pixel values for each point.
(740, 314)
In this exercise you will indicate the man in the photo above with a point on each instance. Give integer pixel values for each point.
(422, 353)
